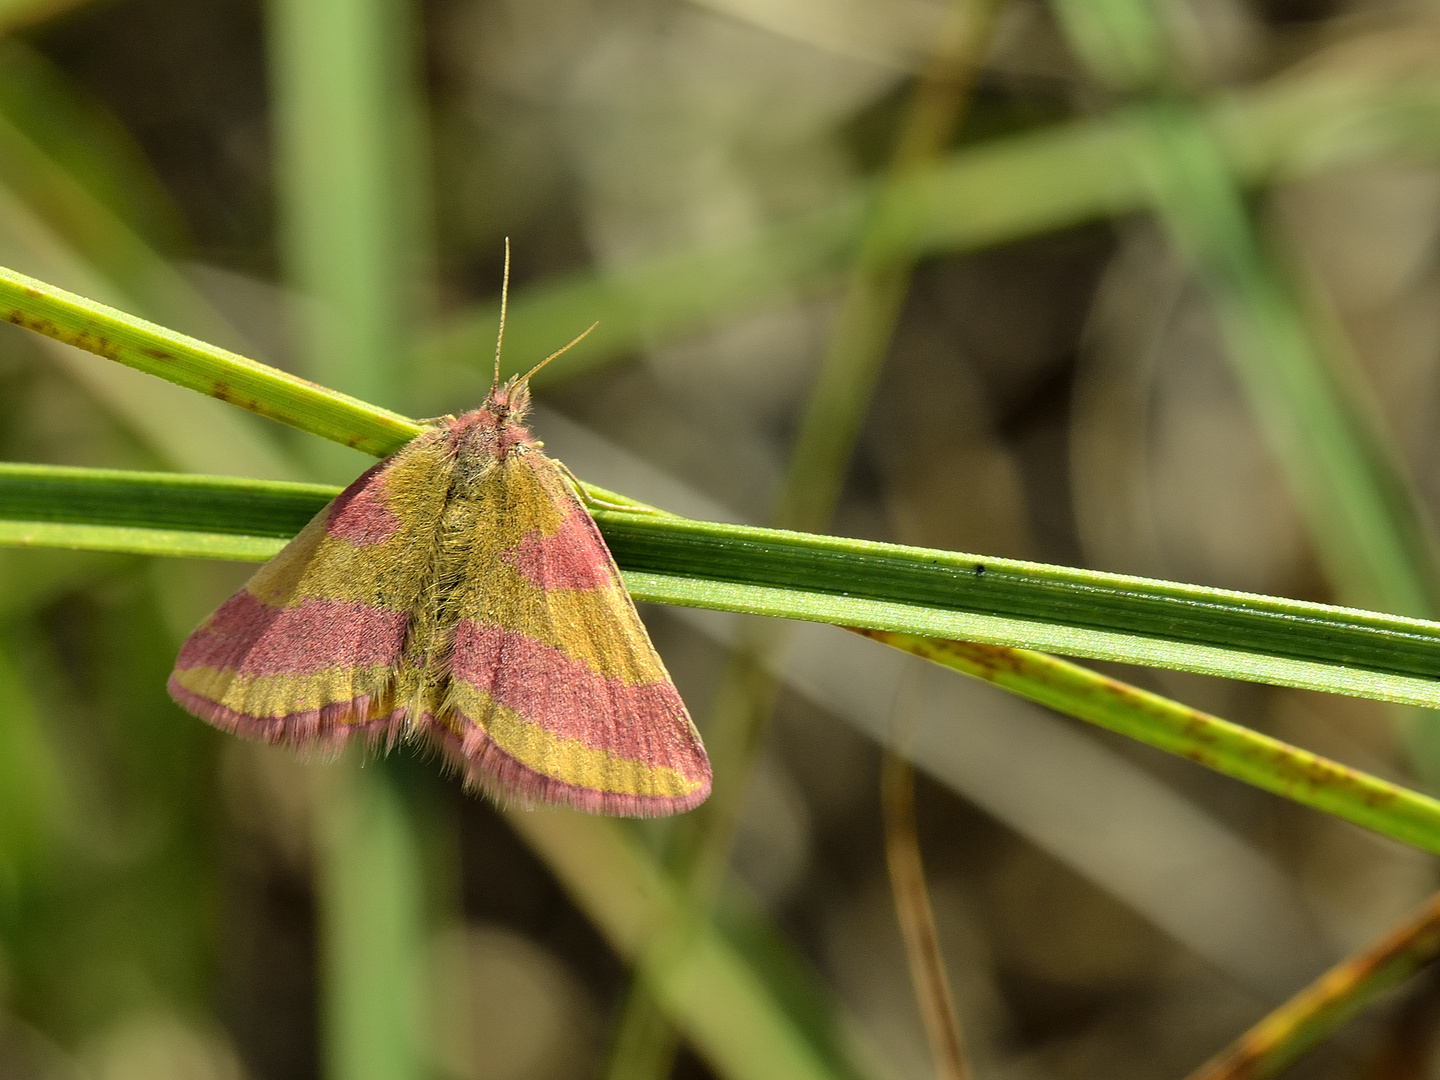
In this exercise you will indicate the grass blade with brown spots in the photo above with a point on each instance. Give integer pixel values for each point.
(197, 365)
(1321, 1008)
(1217, 744)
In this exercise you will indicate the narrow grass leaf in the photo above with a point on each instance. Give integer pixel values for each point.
(831, 579)
(1318, 1011)
(1229, 748)
(197, 365)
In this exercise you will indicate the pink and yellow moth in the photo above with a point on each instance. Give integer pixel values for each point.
(458, 594)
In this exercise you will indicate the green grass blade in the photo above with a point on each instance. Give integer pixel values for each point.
(174, 501)
(831, 579)
(347, 118)
(38, 812)
(1217, 744)
(197, 365)
(343, 78)
(132, 541)
(371, 914)
(1121, 41)
(1322, 1008)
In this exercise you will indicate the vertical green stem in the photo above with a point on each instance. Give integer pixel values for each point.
(36, 808)
(346, 108)
(371, 918)
(347, 122)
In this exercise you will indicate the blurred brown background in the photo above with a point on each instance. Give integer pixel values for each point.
(1062, 394)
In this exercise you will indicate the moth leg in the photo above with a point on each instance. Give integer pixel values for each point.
(600, 501)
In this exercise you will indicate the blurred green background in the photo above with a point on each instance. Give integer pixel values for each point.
(1168, 304)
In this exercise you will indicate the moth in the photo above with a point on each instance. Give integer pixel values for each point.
(460, 595)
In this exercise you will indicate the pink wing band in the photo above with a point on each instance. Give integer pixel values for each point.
(574, 557)
(361, 513)
(249, 637)
(572, 701)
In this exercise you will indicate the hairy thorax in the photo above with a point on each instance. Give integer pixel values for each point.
(479, 447)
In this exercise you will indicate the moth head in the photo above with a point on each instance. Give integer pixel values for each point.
(511, 399)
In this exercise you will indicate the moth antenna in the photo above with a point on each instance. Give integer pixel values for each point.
(557, 352)
(504, 299)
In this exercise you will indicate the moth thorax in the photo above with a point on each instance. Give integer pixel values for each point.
(487, 432)
(471, 470)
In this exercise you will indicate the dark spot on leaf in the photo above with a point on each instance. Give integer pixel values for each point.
(83, 339)
(33, 322)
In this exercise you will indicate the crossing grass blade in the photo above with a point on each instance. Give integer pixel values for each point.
(198, 365)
